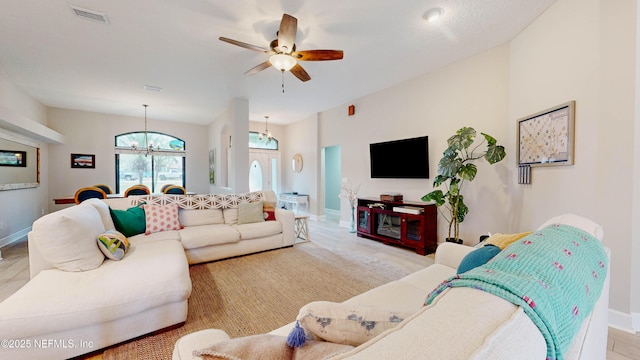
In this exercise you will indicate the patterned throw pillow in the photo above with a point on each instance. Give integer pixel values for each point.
(267, 346)
(346, 324)
(113, 244)
(161, 218)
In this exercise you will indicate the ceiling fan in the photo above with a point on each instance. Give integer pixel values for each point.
(284, 55)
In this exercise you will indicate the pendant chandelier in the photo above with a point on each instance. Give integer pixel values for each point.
(266, 134)
(146, 148)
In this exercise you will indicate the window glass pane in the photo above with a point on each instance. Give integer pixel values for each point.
(132, 170)
(164, 165)
(167, 170)
(256, 143)
(153, 139)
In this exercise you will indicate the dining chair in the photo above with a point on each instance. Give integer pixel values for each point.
(85, 193)
(137, 190)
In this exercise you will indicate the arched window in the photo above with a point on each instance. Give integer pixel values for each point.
(149, 158)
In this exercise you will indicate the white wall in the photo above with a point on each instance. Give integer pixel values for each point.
(19, 208)
(302, 138)
(583, 50)
(93, 133)
(472, 92)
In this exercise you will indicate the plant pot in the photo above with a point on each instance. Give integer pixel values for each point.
(454, 240)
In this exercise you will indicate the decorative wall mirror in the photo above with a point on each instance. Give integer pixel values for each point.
(296, 162)
(19, 163)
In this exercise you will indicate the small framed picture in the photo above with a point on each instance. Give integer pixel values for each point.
(83, 161)
(13, 158)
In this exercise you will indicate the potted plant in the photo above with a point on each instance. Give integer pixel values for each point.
(457, 166)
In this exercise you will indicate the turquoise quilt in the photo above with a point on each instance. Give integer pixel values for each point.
(555, 274)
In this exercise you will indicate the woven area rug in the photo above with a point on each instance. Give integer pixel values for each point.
(258, 293)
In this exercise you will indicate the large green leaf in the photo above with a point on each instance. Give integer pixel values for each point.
(468, 171)
(449, 165)
(495, 153)
(439, 180)
(490, 139)
(435, 195)
(463, 138)
(463, 210)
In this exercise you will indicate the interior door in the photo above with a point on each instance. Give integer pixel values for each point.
(266, 165)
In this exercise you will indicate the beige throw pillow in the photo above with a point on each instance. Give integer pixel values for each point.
(347, 324)
(267, 346)
(250, 212)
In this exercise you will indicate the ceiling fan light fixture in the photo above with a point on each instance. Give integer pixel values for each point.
(433, 15)
(282, 62)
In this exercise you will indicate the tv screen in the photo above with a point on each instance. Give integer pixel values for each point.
(400, 159)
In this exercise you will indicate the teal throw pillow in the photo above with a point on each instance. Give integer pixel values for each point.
(478, 257)
(129, 222)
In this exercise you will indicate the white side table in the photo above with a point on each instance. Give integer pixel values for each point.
(302, 227)
(295, 199)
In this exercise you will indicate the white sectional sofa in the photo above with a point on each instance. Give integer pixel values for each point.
(77, 302)
(462, 323)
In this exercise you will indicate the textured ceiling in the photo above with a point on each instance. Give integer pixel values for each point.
(69, 62)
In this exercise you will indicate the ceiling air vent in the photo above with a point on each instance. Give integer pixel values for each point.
(90, 14)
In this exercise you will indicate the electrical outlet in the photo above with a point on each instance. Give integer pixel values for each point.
(1, 225)
(42, 211)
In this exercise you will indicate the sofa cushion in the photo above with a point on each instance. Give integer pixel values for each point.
(161, 218)
(197, 217)
(230, 216)
(159, 236)
(258, 230)
(478, 257)
(250, 212)
(129, 222)
(265, 346)
(347, 324)
(205, 235)
(151, 275)
(468, 332)
(113, 244)
(67, 238)
(576, 221)
(103, 210)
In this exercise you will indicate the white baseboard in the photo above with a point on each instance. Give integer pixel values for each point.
(626, 322)
(14, 237)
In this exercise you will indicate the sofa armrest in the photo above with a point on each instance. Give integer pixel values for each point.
(451, 254)
(286, 218)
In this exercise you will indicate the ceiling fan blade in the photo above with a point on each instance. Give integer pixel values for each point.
(318, 55)
(300, 73)
(258, 68)
(287, 33)
(244, 45)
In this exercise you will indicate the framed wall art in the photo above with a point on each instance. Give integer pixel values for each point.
(83, 161)
(546, 138)
(13, 158)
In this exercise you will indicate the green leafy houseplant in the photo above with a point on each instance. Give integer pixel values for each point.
(456, 167)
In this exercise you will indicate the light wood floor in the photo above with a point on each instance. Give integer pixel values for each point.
(14, 273)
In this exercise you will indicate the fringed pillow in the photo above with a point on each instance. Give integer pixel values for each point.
(342, 323)
(267, 346)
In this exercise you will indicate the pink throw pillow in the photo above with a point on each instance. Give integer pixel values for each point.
(161, 218)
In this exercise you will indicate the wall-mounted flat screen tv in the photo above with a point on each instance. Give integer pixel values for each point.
(400, 159)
